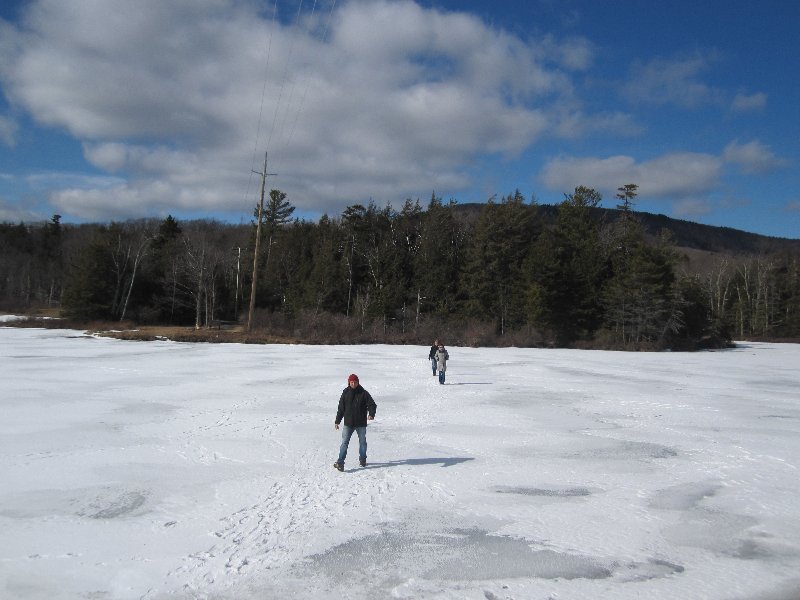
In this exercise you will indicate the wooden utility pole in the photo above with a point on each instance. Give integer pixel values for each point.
(258, 241)
(238, 271)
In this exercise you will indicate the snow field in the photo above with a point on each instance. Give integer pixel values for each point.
(162, 470)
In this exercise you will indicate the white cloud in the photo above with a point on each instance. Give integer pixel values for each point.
(54, 180)
(575, 54)
(688, 179)
(8, 131)
(13, 213)
(677, 175)
(119, 202)
(111, 156)
(181, 98)
(577, 124)
(672, 81)
(754, 157)
(744, 102)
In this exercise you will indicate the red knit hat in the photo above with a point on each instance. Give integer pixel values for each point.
(353, 377)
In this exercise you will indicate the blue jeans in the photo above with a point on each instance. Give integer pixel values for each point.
(347, 433)
(441, 377)
(433, 365)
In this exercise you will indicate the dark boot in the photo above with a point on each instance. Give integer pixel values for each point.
(338, 466)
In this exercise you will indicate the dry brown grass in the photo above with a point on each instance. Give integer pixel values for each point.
(130, 331)
(234, 334)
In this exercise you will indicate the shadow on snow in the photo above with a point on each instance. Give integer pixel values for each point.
(444, 462)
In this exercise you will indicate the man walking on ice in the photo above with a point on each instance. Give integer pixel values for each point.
(356, 406)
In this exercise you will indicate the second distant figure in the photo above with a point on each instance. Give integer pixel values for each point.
(432, 355)
(441, 362)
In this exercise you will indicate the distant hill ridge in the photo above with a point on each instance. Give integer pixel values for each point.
(688, 234)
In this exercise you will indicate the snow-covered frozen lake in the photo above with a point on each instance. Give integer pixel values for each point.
(155, 470)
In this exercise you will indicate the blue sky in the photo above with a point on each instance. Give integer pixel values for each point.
(113, 110)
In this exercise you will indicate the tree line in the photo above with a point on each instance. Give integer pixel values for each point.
(500, 275)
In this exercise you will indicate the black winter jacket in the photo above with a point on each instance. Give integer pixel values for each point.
(354, 406)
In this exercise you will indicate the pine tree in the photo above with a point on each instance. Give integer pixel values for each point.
(568, 269)
(276, 214)
(641, 304)
(165, 272)
(406, 231)
(326, 287)
(90, 289)
(501, 243)
(438, 261)
(50, 259)
(354, 228)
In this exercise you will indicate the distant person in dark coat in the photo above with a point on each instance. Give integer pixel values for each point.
(441, 362)
(432, 355)
(356, 407)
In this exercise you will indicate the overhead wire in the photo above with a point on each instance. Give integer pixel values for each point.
(301, 105)
(279, 131)
(285, 76)
(263, 96)
(282, 127)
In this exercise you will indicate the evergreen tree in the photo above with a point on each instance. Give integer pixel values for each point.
(16, 265)
(326, 288)
(165, 272)
(501, 243)
(377, 250)
(434, 267)
(293, 265)
(697, 329)
(626, 195)
(276, 214)
(50, 259)
(91, 285)
(439, 258)
(406, 238)
(568, 269)
(640, 300)
(355, 226)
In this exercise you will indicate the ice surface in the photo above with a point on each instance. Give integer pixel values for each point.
(158, 470)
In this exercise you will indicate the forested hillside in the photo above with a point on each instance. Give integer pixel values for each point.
(506, 273)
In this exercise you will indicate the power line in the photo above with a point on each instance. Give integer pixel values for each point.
(308, 80)
(284, 77)
(281, 114)
(263, 95)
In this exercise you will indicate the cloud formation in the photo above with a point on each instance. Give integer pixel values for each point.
(378, 99)
(753, 157)
(747, 102)
(175, 103)
(675, 81)
(685, 178)
(678, 175)
(8, 130)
